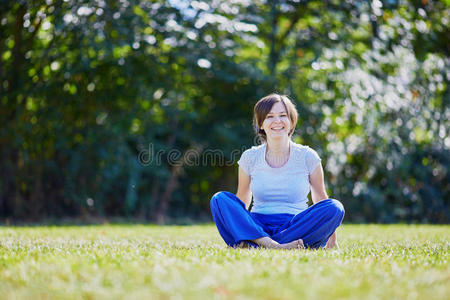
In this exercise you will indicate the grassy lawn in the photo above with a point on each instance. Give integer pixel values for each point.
(192, 262)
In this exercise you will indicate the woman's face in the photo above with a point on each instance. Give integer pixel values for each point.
(277, 122)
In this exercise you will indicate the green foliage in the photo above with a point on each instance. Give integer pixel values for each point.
(86, 86)
(192, 262)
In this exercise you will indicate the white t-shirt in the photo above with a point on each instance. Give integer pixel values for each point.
(284, 189)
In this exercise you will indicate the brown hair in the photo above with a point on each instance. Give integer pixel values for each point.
(263, 107)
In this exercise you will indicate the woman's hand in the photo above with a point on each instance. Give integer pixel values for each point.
(332, 242)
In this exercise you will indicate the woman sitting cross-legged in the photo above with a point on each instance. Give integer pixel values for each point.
(279, 174)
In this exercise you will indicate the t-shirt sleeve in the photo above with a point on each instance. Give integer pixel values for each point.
(245, 162)
(312, 160)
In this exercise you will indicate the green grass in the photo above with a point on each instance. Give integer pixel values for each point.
(192, 262)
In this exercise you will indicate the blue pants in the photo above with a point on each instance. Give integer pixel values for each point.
(314, 225)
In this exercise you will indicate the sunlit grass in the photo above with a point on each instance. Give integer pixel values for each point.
(126, 261)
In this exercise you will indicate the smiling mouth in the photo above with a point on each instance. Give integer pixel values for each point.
(277, 128)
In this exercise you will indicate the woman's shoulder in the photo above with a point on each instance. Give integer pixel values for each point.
(253, 151)
(304, 149)
(249, 158)
(300, 147)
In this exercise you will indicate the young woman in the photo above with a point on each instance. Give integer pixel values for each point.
(279, 174)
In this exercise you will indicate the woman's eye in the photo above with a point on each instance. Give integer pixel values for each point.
(269, 117)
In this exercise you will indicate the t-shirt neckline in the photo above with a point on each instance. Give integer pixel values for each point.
(285, 164)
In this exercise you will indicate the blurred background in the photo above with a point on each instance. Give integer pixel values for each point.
(140, 109)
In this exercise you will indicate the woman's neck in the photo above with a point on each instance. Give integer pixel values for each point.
(279, 146)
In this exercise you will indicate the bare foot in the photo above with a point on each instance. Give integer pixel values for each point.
(332, 242)
(332, 245)
(267, 242)
(243, 245)
(298, 244)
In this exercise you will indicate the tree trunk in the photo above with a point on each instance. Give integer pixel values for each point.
(36, 196)
(17, 52)
(171, 185)
(273, 40)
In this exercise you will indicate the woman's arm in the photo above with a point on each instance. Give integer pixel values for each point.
(318, 193)
(243, 191)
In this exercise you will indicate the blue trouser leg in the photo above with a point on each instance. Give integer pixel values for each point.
(314, 225)
(234, 222)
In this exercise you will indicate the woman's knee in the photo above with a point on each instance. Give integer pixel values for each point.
(214, 200)
(217, 198)
(338, 205)
(335, 208)
(218, 195)
(338, 209)
(224, 198)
